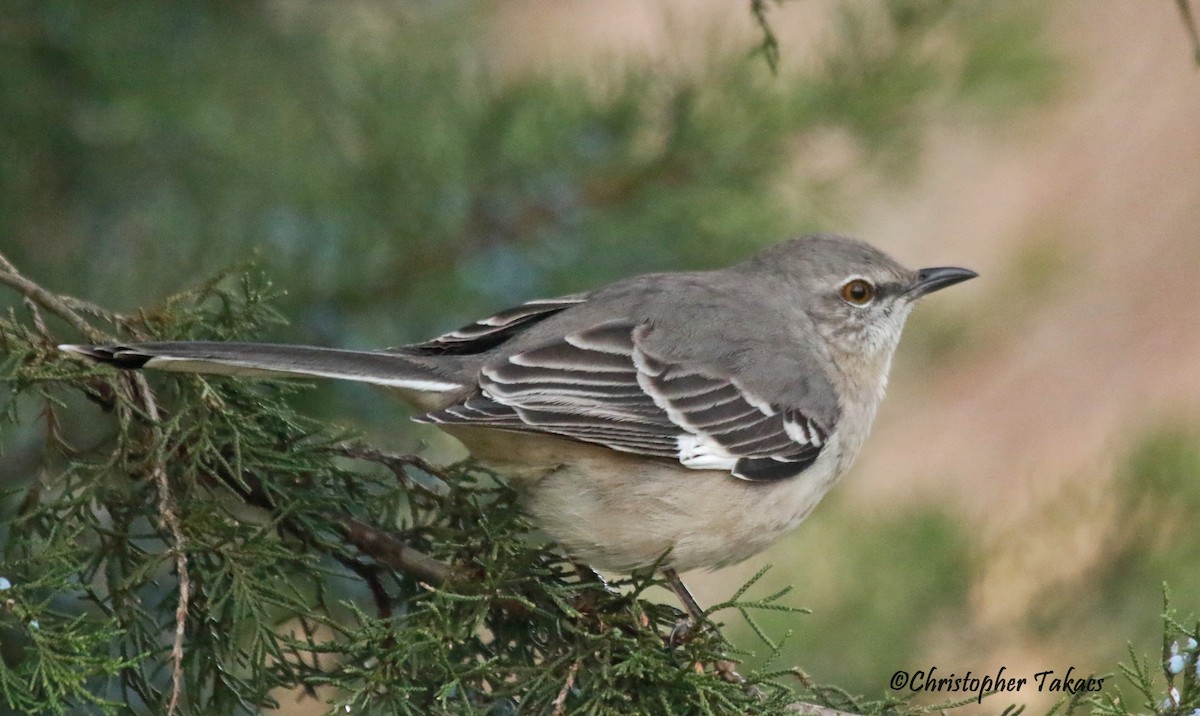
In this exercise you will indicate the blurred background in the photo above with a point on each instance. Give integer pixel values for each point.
(400, 168)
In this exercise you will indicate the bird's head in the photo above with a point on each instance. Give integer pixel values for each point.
(857, 296)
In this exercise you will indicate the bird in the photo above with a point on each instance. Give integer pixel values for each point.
(682, 420)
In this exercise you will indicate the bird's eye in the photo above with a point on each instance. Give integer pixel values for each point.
(858, 292)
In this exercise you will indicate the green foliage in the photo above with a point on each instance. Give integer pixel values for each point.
(1170, 687)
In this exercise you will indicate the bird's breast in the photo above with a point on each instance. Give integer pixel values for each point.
(615, 511)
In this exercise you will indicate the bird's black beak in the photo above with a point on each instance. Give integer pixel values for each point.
(935, 279)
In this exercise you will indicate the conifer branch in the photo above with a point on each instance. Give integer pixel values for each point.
(140, 392)
(396, 463)
(10, 276)
(387, 550)
(170, 518)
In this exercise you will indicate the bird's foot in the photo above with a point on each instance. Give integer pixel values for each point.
(680, 632)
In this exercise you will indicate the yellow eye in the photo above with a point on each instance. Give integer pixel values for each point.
(858, 292)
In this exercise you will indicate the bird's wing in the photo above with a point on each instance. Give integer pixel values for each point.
(601, 385)
(487, 333)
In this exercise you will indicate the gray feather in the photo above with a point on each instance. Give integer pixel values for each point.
(600, 385)
(274, 361)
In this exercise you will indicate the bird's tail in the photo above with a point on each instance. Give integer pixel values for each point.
(396, 370)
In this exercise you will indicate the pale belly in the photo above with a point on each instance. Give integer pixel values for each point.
(615, 512)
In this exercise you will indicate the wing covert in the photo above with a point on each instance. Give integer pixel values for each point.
(487, 333)
(601, 386)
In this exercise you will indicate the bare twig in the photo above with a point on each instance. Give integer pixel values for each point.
(52, 303)
(396, 463)
(39, 323)
(389, 551)
(769, 47)
(80, 306)
(170, 518)
(359, 451)
(1189, 24)
(560, 701)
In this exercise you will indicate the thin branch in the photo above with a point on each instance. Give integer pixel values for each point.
(81, 306)
(396, 463)
(52, 303)
(769, 47)
(391, 552)
(1189, 24)
(39, 323)
(560, 701)
(359, 451)
(170, 518)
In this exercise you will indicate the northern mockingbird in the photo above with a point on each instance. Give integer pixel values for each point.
(699, 415)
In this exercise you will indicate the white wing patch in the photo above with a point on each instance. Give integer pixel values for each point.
(701, 452)
(803, 431)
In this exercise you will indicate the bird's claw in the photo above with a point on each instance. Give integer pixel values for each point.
(679, 632)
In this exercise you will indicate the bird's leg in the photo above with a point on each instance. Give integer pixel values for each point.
(695, 613)
(725, 668)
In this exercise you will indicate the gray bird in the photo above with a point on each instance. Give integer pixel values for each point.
(699, 415)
